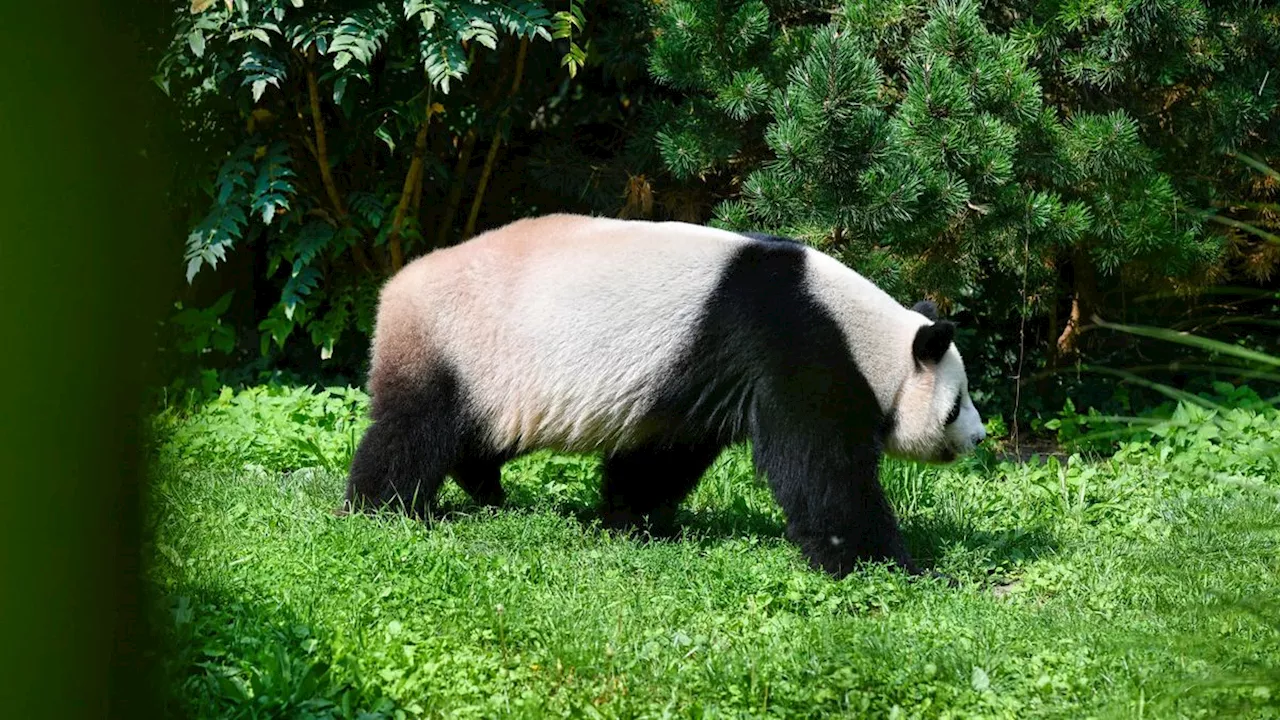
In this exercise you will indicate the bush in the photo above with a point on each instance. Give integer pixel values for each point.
(278, 428)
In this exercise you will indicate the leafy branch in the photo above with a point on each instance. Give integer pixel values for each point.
(566, 21)
(317, 87)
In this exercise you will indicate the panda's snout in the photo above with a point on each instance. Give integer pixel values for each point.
(980, 435)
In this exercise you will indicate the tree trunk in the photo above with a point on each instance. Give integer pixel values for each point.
(444, 231)
(1083, 303)
(412, 187)
(454, 198)
(492, 155)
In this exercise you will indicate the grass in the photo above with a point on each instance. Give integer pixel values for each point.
(1138, 585)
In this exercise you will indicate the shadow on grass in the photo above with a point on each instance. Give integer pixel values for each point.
(711, 524)
(223, 655)
(928, 539)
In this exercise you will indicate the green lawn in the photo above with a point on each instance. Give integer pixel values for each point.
(1141, 585)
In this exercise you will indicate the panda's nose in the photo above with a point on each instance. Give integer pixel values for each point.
(979, 436)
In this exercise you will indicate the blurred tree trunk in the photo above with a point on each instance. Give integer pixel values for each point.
(1084, 303)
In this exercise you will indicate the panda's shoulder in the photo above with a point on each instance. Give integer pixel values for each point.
(773, 240)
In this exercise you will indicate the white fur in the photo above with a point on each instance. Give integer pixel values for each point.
(878, 329)
(967, 430)
(562, 343)
(880, 332)
(924, 401)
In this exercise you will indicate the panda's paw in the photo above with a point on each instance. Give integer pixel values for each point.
(661, 523)
(495, 498)
(621, 519)
(658, 524)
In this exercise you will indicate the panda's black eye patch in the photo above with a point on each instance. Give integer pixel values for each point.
(955, 411)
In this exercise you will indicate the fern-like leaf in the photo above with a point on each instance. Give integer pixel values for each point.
(272, 188)
(261, 68)
(223, 225)
(301, 282)
(360, 35)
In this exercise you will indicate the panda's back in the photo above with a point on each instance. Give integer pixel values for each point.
(560, 328)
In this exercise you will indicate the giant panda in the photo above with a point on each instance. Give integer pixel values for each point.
(657, 344)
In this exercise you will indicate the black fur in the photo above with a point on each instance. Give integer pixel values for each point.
(643, 487)
(768, 363)
(813, 420)
(932, 341)
(422, 430)
(480, 476)
(927, 309)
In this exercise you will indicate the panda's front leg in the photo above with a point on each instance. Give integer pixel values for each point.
(836, 509)
(839, 547)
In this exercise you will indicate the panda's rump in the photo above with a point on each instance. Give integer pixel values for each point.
(568, 340)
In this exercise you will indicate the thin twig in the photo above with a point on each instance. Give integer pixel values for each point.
(322, 144)
(412, 183)
(470, 227)
(322, 159)
(1022, 345)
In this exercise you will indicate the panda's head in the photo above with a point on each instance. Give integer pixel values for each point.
(932, 418)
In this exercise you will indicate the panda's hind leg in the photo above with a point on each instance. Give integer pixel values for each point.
(405, 454)
(650, 482)
(394, 466)
(481, 478)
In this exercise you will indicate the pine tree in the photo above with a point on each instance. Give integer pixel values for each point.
(999, 158)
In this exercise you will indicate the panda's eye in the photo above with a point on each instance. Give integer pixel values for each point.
(955, 412)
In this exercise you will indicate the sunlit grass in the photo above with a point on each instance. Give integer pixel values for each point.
(1118, 585)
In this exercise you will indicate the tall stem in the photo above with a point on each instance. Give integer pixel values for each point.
(322, 159)
(412, 186)
(492, 155)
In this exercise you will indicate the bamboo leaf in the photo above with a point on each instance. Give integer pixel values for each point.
(1256, 164)
(1170, 392)
(1241, 225)
(1193, 341)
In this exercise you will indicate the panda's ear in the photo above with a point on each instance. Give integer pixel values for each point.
(927, 309)
(932, 341)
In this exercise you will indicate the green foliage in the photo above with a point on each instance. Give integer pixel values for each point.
(921, 129)
(276, 427)
(1024, 164)
(566, 21)
(1016, 161)
(305, 116)
(1094, 432)
(270, 665)
(202, 330)
(1087, 587)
